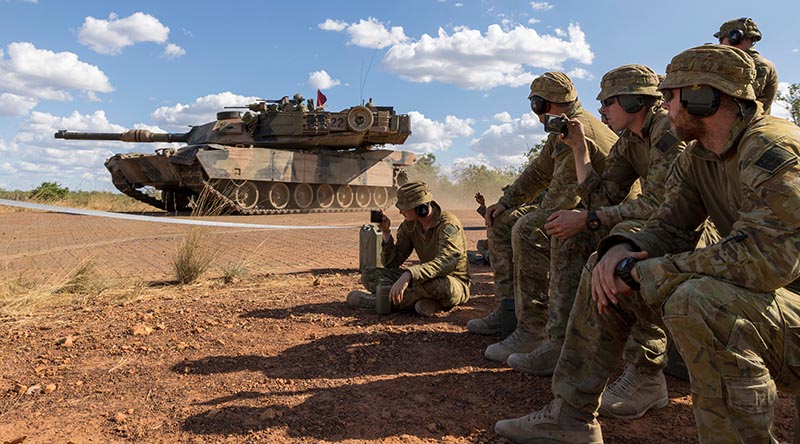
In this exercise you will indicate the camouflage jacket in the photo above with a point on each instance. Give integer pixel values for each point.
(554, 167)
(649, 157)
(442, 250)
(766, 82)
(751, 193)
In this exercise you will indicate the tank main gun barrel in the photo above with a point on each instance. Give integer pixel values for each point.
(136, 135)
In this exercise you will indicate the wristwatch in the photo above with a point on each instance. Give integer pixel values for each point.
(592, 221)
(623, 271)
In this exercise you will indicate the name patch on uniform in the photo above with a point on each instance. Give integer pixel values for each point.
(775, 158)
(667, 142)
(561, 147)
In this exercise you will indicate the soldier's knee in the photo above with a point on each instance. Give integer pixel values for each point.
(681, 302)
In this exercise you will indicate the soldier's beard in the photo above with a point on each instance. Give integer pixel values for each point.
(687, 127)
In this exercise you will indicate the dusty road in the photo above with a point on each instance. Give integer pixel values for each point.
(275, 358)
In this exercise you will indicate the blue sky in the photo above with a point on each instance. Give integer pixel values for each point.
(461, 69)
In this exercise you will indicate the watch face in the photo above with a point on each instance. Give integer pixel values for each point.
(624, 265)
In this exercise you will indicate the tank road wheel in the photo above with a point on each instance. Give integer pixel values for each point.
(363, 196)
(279, 195)
(246, 195)
(380, 197)
(359, 119)
(325, 196)
(344, 196)
(303, 195)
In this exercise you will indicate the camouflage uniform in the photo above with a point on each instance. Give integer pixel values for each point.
(518, 238)
(443, 272)
(733, 324)
(649, 158)
(766, 82)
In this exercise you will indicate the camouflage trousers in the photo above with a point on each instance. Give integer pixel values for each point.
(647, 343)
(737, 344)
(501, 252)
(448, 290)
(594, 343)
(567, 259)
(530, 247)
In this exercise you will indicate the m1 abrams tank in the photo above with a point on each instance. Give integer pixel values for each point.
(280, 156)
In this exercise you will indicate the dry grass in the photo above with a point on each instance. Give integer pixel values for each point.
(92, 200)
(31, 297)
(196, 253)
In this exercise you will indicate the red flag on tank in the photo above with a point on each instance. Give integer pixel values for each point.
(321, 99)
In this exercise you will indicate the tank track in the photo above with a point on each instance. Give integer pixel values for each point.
(238, 209)
(129, 190)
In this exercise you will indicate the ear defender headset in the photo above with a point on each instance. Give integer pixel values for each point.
(423, 210)
(631, 104)
(735, 36)
(700, 100)
(539, 105)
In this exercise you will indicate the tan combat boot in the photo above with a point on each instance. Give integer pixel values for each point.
(540, 362)
(634, 393)
(558, 422)
(428, 307)
(487, 325)
(360, 299)
(521, 341)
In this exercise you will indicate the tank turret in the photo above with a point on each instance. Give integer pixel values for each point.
(280, 156)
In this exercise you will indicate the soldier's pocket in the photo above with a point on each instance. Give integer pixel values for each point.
(751, 395)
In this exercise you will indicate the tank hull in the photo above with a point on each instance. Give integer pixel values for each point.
(262, 180)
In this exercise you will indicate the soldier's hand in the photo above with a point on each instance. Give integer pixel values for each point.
(480, 199)
(399, 288)
(576, 137)
(563, 224)
(493, 211)
(606, 286)
(386, 224)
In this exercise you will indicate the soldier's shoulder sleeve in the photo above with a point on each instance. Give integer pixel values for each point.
(772, 172)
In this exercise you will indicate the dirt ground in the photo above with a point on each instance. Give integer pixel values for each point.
(276, 357)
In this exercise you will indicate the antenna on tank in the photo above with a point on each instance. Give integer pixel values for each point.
(364, 75)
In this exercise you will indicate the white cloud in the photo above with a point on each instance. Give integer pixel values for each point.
(44, 74)
(505, 144)
(473, 60)
(322, 80)
(580, 73)
(368, 33)
(112, 35)
(779, 107)
(35, 156)
(431, 135)
(203, 110)
(14, 105)
(173, 51)
(333, 25)
(533, 21)
(541, 6)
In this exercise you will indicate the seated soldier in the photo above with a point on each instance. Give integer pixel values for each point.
(441, 280)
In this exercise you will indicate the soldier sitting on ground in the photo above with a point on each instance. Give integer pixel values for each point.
(441, 280)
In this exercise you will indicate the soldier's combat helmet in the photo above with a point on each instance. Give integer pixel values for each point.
(629, 80)
(555, 87)
(412, 195)
(745, 24)
(725, 68)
